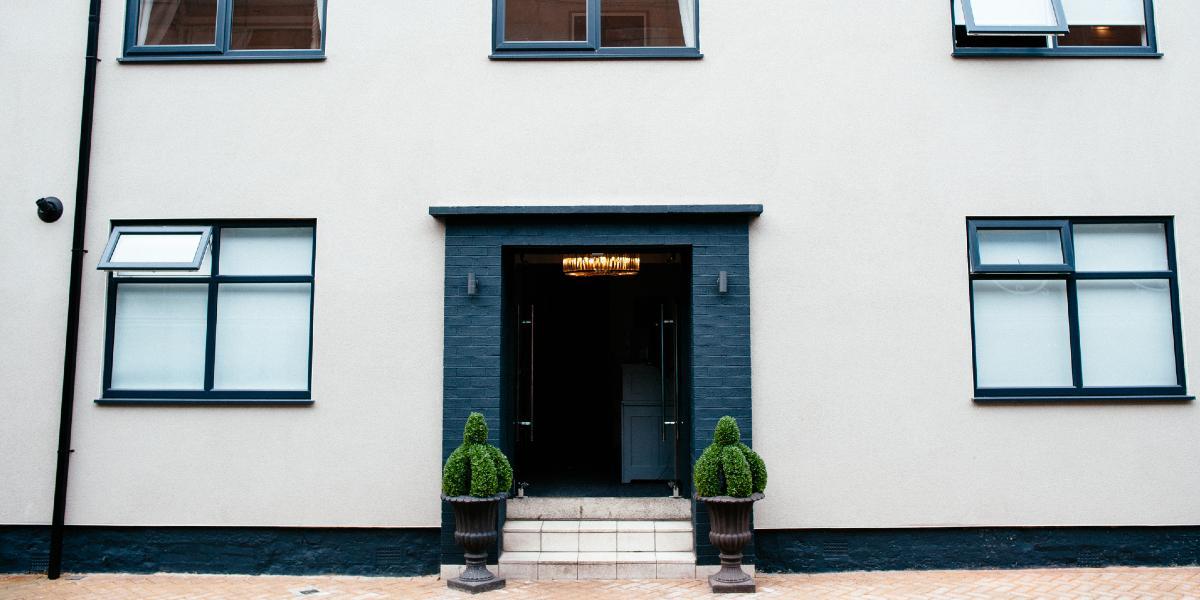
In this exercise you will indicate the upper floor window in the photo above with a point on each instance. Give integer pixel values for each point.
(596, 28)
(1054, 28)
(1075, 308)
(224, 29)
(211, 312)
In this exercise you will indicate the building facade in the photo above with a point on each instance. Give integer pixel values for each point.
(942, 278)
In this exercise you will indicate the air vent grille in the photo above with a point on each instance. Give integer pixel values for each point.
(836, 549)
(389, 557)
(39, 563)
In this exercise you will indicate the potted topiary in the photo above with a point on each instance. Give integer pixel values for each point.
(476, 478)
(730, 478)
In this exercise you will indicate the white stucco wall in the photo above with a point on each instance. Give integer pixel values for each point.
(866, 142)
(39, 140)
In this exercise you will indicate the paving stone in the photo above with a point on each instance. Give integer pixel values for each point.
(637, 584)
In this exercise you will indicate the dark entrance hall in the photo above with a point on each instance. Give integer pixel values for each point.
(596, 369)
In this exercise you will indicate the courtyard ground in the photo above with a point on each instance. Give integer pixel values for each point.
(1110, 583)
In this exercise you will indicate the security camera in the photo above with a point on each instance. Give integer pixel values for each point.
(49, 209)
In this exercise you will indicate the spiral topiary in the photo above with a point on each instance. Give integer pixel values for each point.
(728, 467)
(476, 468)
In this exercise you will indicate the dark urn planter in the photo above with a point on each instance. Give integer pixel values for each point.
(729, 530)
(475, 530)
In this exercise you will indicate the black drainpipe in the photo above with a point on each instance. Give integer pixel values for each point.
(58, 521)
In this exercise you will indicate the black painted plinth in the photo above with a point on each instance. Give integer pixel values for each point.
(475, 531)
(729, 531)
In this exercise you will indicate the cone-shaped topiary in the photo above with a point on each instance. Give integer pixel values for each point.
(476, 468)
(728, 467)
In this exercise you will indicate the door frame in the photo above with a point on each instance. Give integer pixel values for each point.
(510, 348)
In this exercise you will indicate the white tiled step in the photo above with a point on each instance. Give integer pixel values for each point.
(593, 508)
(597, 565)
(597, 536)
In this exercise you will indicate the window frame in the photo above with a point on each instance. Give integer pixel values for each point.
(1150, 50)
(1077, 392)
(220, 50)
(213, 280)
(589, 49)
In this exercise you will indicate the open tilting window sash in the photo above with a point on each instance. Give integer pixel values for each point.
(1014, 17)
(167, 248)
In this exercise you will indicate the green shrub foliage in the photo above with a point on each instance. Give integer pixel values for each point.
(476, 467)
(728, 467)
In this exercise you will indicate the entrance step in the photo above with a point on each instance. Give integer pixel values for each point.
(598, 538)
(599, 509)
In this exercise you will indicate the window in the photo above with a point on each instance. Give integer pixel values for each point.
(176, 30)
(1075, 308)
(596, 29)
(217, 313)
(1054, 28)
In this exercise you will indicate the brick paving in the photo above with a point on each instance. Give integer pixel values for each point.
(1049, 584)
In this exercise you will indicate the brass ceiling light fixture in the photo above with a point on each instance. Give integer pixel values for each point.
(599, 264)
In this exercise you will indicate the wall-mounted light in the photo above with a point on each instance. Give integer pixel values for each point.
(472, 286)
(49, 209)
(723, 282)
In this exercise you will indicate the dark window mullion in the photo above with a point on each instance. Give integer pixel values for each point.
(210, 340)
(1176, 309)
(264, 279)
(110, 326)
(225, 11)
(594, 24)
(1125, 275)
(1177, 331)
(1073, 322)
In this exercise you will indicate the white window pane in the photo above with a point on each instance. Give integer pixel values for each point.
(156, 248)
(998, 13)
(1120, 247)
(1022, 338)
(1020, 247)
(267, 251)
(1126, 332)
(204, 271)
(262, 336)
(1105, 12)
(159, 337)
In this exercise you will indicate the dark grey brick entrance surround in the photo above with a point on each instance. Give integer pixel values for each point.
(473, 361)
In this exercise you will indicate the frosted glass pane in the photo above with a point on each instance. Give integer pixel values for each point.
(262, 336)
(267, 251)
(204, 271)
(156, 248)
(1120, 247)
(1126, 332)
(1105, 12)
(159, 337)
(1020, 247)
(992, 13)
(1021, 334)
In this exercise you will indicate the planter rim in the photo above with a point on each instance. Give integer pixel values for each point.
(755, 497)
(472, 499)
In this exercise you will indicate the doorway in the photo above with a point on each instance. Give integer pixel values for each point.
(596, 340)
